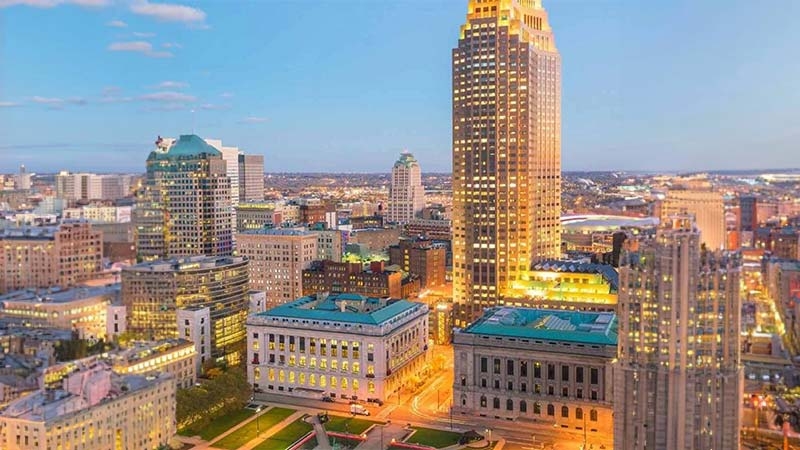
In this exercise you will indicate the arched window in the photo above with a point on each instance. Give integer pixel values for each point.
(463, 400)
(463, 380)
(578, 413)
(593, 415)
(537, 408)
(565, 411)
(509, 405)
(483, 401)
(496, 403)
(551, 410)
(523, 407)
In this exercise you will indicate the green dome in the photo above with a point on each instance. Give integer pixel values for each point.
(188, 145)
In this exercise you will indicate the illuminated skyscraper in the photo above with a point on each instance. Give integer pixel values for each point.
(679, 375)
(406, 194)
(506, 149)
(184, 208)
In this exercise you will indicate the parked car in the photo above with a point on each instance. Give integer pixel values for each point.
(328, 399)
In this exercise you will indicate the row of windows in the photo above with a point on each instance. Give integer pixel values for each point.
(537, 408)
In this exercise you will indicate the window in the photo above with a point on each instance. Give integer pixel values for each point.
(523, 407)
(509, 405)
(537, 388)
(510, 385)
(496, 403)
(593, 415)
(483, 401)
(551, 390)
(594, 375)
(523, 368)
(551, 410)
(565, 392)
(497, 384)
(537, 408)
(565, 411)
(523, 387)
(594, 394)
(578, 413)
(484, 365)
(463, 380)
(551, 372)
(537, 370)
(483, 382)
(579, 374)
(510, 367)
(497, 366)
(564, 373)
(579, 392)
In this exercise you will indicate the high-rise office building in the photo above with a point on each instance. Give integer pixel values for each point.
(23, 179)
(185, 207)
(748, 219)
(406, 194)
(155, 295)
(506, 149)
(251, 178)
(708, 208)
(679, 375)
(277, 259)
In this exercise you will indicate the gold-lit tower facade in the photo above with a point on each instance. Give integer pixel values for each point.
(506, 150)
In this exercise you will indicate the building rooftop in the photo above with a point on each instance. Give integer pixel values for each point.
(352, 308)
(279, 232)
(81, 390)
(149, 349)
(603, 222)
(185, 264)
(548, 324)
(59, 295)
(187, 146)
(406, 159)
(608, 272)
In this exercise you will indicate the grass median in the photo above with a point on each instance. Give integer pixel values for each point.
(286, 436)
(256, 426)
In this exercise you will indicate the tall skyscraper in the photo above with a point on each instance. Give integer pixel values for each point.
(708, 208)
(251, 178)
(184, 208)
(506, 150)
(679, 374)
(406, 194)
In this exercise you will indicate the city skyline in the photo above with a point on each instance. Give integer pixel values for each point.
(615, 104)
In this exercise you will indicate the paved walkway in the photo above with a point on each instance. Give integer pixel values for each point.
(323, 443)
(268, 433)
(380, 436)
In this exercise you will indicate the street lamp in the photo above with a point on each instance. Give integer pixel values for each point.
(489, 432)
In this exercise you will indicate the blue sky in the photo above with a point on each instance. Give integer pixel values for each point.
(345, 85)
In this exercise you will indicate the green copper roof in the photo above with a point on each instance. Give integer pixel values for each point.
(406, 159)
(352, 308)
(188, 145)
(547, 324)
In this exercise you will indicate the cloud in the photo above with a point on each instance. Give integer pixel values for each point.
(143, 35)
(142, 47)
(253, 119)
(172, 85)
(54, 3)
(168, 12)
(8, 104)
(59, 103)
(168, 97)
(117, 24)
(171, 45)
(226, 95)
(214, 107)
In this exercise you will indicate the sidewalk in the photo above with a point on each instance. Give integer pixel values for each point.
(323, 443)
(267, 434)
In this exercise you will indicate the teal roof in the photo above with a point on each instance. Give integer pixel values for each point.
(188, 145)
(357, 309)
(406, 159)
(547, 324)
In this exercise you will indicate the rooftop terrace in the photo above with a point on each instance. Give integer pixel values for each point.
(547, 324)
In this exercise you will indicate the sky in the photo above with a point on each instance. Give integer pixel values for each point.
(346, 85)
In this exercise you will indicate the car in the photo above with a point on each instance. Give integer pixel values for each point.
(377, 401)
(327, 399)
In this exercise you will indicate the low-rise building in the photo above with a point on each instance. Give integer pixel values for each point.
(94, 408)
(423, 258)
(339, 345)
(80, 309)
(329, 276)
(548, 365)
(176, 357)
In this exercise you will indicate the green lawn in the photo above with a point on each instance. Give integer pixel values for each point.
(351, 425)
(434, 438)
(286, 436)
(246, 433)
(218, 426)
